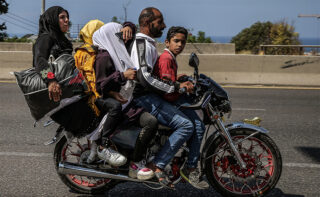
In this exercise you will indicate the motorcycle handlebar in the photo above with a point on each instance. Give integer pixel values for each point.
(182, 90)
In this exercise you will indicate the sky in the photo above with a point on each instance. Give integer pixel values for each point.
(214, 17)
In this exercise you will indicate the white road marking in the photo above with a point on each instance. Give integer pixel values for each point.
(15, 51)
(247, 109)
(302, 165)
(23, 154)
(271, 87)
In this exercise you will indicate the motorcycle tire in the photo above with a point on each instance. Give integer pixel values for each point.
(226, 176)
(72, 182)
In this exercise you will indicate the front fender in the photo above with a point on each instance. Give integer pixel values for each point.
(230, 127)
(242, 125)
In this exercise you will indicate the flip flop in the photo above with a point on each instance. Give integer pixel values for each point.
(164, 180)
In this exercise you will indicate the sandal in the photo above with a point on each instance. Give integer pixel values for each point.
(164, 180)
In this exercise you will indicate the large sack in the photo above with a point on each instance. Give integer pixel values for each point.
(36, 92)
(75, 115)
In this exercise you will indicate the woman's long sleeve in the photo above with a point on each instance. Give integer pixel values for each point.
(107, 78)
(41, 54)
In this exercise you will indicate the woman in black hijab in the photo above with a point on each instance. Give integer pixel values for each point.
(53, 24)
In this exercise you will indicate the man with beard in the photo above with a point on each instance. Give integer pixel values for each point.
(149, 90)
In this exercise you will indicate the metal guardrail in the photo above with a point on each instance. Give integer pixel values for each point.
(300, 48)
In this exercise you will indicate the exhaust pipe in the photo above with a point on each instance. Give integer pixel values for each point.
(71, 168)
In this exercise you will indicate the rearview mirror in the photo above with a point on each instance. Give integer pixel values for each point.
(194, 60)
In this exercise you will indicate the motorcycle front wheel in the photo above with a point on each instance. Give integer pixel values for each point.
(259, 152)
(75, 152)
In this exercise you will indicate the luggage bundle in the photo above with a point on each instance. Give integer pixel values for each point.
(35, 89)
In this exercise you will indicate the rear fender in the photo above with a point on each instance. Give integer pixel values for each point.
(56, 138)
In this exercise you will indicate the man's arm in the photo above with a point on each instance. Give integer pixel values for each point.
(143, 55)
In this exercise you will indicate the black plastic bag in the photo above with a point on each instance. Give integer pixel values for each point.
(75, 115)
(35, 89)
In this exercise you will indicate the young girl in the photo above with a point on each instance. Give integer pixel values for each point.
(114, 69)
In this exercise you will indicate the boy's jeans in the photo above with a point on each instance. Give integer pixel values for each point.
(194, 142)
(169, 115)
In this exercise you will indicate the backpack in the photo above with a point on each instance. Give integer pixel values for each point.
(84, 60)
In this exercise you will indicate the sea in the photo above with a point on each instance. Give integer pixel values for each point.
(304, 41)
(227, 39)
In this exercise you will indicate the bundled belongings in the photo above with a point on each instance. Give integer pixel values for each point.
(35, 89)
(75, 115)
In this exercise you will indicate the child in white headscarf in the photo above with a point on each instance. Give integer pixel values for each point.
(114, 74)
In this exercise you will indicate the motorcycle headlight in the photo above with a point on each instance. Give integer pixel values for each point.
(225, 106)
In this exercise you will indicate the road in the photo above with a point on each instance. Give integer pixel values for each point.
(291, 115)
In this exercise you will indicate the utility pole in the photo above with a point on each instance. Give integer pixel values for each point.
(125, 7)
(43, 6)
(310, 15)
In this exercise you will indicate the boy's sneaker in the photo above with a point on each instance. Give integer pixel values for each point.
(140, 171)
(194, 178)
(111, 156)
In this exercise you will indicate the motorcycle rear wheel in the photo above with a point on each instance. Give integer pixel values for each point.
(260, 153)
(81, 184)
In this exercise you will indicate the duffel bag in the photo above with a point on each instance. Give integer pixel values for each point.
(35, 90)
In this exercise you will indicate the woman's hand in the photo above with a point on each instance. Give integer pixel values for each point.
(118, 97)
(127, 33)
(130, 74)
(54, 91)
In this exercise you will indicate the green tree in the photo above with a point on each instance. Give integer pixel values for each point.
(250, 39)
(201, 38)
(16, 39)
(115, 19)
(284, 34)
(3, 10)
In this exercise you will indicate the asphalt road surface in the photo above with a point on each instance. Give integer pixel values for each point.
(291, 115)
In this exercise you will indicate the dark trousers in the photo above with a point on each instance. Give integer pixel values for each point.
(147, 121)
(114, 110)
(149, 126)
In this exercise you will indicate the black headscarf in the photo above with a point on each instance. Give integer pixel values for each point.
(49, 23)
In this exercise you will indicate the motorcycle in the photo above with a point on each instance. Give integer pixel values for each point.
(238, 159)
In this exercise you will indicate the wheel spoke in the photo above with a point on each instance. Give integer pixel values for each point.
(222, 175)
(248, 187)
(79, 145)
(242, 187)
(72, 153)
(233, 187)
(269, 164)
(226, 183)
(256, 182)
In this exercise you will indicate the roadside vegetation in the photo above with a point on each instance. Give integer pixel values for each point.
(200, 38)
(3, 10)
(267, 33)
(16, 39)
